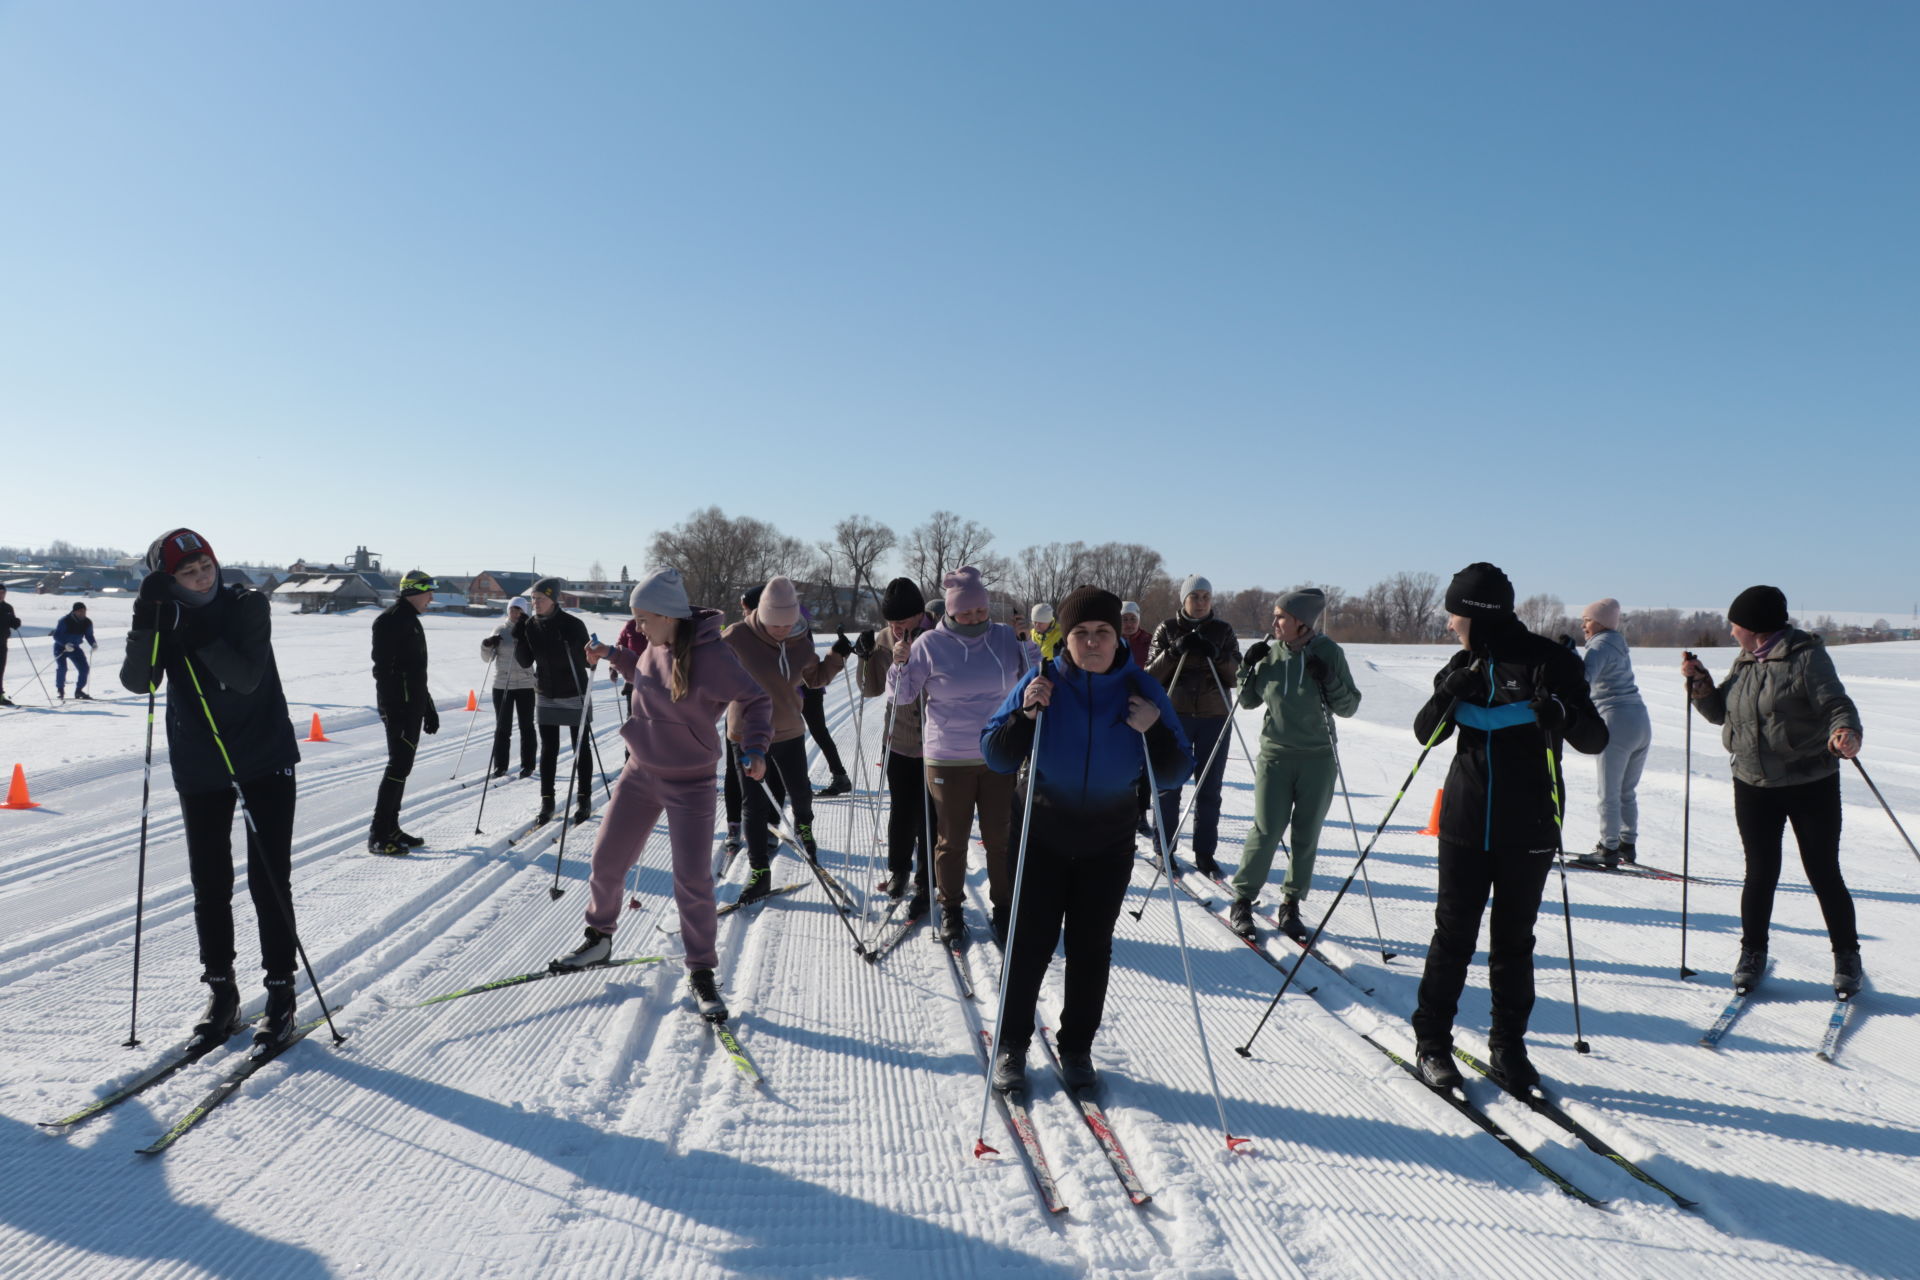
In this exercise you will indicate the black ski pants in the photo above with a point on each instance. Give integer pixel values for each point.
(907, 808)
(208, 818)
(813, 709)
(731, 787)
(1762, 814)
(1081, 897)
(787, 778)
(510, 705)
(550, 759)
(403, 741)
(1515, 879)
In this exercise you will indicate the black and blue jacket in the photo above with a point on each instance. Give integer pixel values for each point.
(1501, 793)
(1089, 756)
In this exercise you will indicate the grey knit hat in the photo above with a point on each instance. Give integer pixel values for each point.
(1304, 605)
(661, 591)
(1194, 582)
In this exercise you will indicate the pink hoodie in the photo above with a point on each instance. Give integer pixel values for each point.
(677, 739)
(965, 678)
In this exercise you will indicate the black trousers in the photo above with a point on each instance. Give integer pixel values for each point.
(1762, 814)
(787, 778)
(208, 817)
(1468, 875)
(510, 705)
(550, 759)
(907, 809)
(1080, 897)
(731, 787)
(813, 709)
(403, 741)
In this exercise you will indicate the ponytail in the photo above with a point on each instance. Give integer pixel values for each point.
(681, 681)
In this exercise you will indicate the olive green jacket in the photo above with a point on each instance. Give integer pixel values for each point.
(1778, 714)
(1294, 719)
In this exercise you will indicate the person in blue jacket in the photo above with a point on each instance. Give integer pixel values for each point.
(74, 629)
(1079, 850)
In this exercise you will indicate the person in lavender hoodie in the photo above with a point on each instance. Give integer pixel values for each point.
(682, 681)
(1629, 734)
(965, 666)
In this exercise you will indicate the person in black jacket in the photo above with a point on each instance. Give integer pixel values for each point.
(1515, 697)
(1195, 655)
(9, 623)
(228, 734)
(406, 705)
(554, 643)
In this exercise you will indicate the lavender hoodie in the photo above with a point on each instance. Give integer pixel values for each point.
(677, 739)
(965, 678)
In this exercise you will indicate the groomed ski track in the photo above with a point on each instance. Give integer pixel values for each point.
(588, 1126)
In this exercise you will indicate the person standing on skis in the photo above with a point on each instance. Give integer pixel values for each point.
(9, 623)
(908, 858)
(74, 629)
(553, 642)
(1629, 734)
(405, 704)
(513, 690)
(1195, 655)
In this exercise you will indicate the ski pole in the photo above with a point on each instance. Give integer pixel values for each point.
(1219, 741)
(1246, 1050)
(793, 842)
(573, 774)
(1686, 827)
(1154, 800)
(863, 781)
(1186, 964)
(486, 684)
(1566, 902)
(253, 835)
(38, 678)
(928, 868)
(140, 881)
(1333, 740)
(1884, 805)
(980, 1147)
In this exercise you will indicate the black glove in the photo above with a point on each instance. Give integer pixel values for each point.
(157, 615)
(491, 642)
(842, 645)
(432, 723)
(864, 646)
(520, 629)
(1547, 710)
(1468, 684)
(1318, 669)
(1194, 645)
(1256, 654)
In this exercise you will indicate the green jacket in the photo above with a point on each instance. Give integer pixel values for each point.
(1294, 719)
(1779, 714)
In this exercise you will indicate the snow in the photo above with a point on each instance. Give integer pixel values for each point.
(587, 1126)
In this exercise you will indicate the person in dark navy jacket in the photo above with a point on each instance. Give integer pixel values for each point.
(1515, 698)
(1079, 852)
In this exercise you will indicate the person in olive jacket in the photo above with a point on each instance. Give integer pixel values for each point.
(1514, 697)
(554, 643)
(1195, 655)
(405, 704)
(9, 623)
(1788, 723)
(228, 737)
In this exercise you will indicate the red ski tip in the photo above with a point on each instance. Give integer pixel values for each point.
(980, 1148)
(1234, 1144)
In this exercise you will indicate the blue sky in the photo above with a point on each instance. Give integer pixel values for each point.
(1621, 297)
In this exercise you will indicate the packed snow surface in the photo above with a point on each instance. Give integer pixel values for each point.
(589, 1125)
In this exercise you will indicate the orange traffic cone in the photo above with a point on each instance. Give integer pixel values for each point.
(315, 734)
(1433, 823)
(473, 703)
(17, 797)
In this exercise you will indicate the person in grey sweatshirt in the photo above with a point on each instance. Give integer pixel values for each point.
(1629, 734)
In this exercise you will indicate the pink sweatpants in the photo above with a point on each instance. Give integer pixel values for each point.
(639, 797)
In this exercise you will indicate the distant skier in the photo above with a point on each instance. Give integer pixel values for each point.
(1079, 851)
(1196, 656)
(683, 679)
(9, 623)
(1301, 677)
(1788, 723)
(74, 629)
(405, 704)
(1514, 697)
(908, 858)
(777, 650)
(1044, 634)
(513, 690)
(227, 731)
(1139, 639)
(1629, 735)
(965, 666)
(553, 642)
(813, 709)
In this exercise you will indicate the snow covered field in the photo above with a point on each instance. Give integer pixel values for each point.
(588, 1127)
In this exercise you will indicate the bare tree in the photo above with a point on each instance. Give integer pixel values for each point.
(859, 542)
(1125, 568)
(945, 542)
(1048, 573)
(1541, 613)
(596, 572)
(718, 555)
(1412, 599)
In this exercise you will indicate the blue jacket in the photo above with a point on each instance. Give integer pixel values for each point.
(1089, 758)
(68, 631)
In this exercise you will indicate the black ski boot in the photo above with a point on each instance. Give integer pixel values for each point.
(1512, 1068)
(526, 771)
(759, 885)
(1240, 916)
(1010, 1070)
(1626, 852)
(276, 1024)
(1076, 1071)
(1290, 922)
(5, 701)
(410, 840)
(1604, 858)
(1747, 973)
(582, 811)
(918, 904)
(596, 950)
(840, 785)
(706, 994)
(84, 697)
(222, 1018)
(805, 832)
(953, 926)
(733, 838)
(546, 810)
(1436, 1068)
(1847, 974)
(388, 846)
(499, 771)
(1206, 866)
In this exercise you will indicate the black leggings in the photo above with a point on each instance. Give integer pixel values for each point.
(732, 786)
(1515, 878)
(1083, 896)
(787, 778)
(1762, 814)
(510, 705)
(208, 818)
(813, 709)
(403, 742)
(550, 758)
(907, 816)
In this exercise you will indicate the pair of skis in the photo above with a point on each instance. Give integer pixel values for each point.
(1837, 1018)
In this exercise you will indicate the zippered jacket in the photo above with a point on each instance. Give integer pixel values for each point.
(1501, 792)
(965, 678)
(1294, 719)
(1610, 672)
(781, 667)
(678, 739)
(400, 660)
(555, 646)
(1089, 756)
(905, 738)
(1196, 693)
(1778, 713)
(508, 673)
(72, 631)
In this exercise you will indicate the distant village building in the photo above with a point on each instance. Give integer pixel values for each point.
(326, 592)
(500, 585)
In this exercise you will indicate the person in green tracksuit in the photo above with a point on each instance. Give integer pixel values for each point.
(1301, 677)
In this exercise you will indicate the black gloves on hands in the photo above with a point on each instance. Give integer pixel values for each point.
(1547, 709)
(842, 645)
(1468, 684)
(1318, 669)
(491, 642)
(157, 615)
(1256, 654)
(432, 723)
(1194, 645)
(864, 646)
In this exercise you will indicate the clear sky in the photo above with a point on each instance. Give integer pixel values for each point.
(1623, 297)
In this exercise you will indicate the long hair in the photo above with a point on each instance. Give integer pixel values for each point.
(682, 679)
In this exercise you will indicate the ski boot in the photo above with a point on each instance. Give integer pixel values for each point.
(1512, 1068)
(546, 810)
(596, 950)
(1436, 1068)
(1205, 865)
(1010, 1071)
(582, 811)
(83, 695)
(759, 885)
(1290, 922)
(1240, 917)
(222, 1018)
(409, 840)
(1604, 858)
(953, 926)
(918, 904)
(805, 832)
(276, 1024)
(839, 786)
(733, 838)
(526, 771)
(706, 994)
(499, 771)
(1076, 1071)
(5, 701)
(1847, 974)
(1746, 974)
(387, 846)
(1626, 852)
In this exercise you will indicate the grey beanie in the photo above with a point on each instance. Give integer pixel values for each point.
(1304, 605)
(1195, 583)
(661, 591)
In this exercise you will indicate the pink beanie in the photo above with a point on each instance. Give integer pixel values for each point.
(1603, 613)
(964, 590)
(779, 604)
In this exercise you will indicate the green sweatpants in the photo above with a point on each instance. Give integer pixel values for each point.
(1291, 791)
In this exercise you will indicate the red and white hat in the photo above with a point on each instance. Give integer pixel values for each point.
(172, 549)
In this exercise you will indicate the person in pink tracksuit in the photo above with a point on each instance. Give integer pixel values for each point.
(682, 681)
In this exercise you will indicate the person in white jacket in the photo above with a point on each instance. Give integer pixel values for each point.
(513, 692)
(1629, 733)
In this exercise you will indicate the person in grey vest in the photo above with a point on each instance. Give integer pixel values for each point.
(1629, 734)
